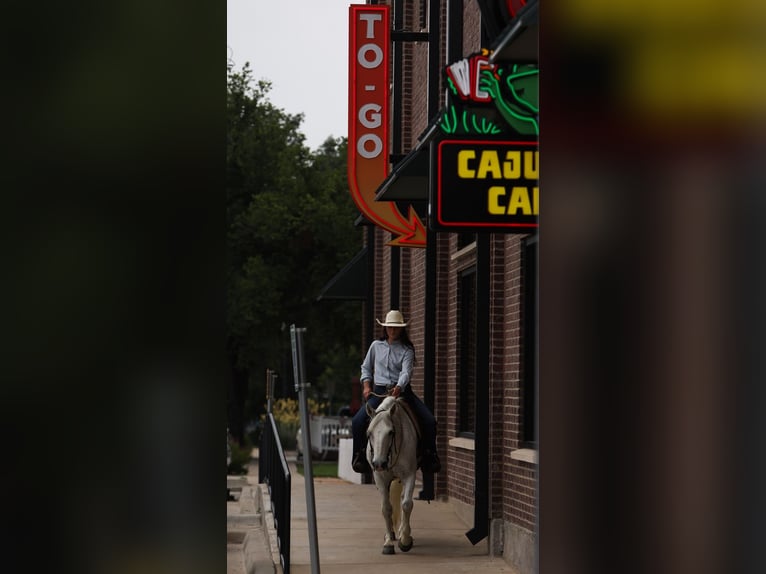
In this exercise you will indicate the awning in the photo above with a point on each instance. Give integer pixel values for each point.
(519, 39)
(409, 179)
(350, 283)
(362, 220)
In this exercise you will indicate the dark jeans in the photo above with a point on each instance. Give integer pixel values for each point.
(427, 421)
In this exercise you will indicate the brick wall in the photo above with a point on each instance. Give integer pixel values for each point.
(471, 27)
(382, 275)
(519, 477)
(499, 374)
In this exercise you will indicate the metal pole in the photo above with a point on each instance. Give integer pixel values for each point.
(299, 370)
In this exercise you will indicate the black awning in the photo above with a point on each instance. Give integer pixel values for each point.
(409, 179)
(350, 283)
(519, 39)
(361, 220)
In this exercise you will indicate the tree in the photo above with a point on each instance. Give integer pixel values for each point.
(290, 228)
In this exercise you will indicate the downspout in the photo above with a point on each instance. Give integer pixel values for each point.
(429, 330)
(396, 141)
(481, 435)
(429, 349)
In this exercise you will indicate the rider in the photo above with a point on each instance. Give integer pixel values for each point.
(389, 364)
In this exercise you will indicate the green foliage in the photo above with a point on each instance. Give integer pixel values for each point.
(290, 230)
(287, 415)
(288, 410)
(240, 456)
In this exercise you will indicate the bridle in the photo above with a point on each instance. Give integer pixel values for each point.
(392, 446)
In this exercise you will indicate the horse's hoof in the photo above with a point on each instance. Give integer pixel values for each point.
(404, 548)
(389, 550)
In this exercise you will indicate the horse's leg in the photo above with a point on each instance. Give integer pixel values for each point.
(396, 503)
(405, 538)
(383, 486)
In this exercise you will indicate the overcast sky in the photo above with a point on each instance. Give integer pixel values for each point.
(301, 46)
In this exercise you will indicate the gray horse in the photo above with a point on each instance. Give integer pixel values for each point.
(392, 453)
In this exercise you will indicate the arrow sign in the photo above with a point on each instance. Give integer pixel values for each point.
(369, 41)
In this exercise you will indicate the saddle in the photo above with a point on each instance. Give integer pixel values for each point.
(401, 402)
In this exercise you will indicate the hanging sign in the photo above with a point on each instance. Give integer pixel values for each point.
(369, 42)
(486, 186)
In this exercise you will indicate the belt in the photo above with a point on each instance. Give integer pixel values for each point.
(379, 387)
(386, 387)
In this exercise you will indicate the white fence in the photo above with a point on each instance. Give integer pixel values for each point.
(325, 434)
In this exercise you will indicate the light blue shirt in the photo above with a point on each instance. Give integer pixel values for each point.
(388, 364)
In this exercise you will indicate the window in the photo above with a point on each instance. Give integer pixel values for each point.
(467, 352)
(529, 343)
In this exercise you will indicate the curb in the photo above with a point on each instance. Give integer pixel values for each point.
(250, 523)
(256, 553)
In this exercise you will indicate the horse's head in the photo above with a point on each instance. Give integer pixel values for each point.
(381, 434)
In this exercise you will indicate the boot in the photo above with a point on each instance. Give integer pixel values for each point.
(430, 462)
(360, 464)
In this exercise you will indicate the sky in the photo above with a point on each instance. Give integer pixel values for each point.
(301, 46)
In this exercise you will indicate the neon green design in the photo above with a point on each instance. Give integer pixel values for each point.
(447, 126)
(514, 92)
(521, 109)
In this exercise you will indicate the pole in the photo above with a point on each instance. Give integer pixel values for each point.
(270, 376)
(299, 370)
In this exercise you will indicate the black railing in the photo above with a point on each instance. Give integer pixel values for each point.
(274, 472)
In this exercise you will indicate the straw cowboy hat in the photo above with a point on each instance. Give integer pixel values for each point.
(393, 319)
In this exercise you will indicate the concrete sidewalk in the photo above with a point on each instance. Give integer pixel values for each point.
(350, 533)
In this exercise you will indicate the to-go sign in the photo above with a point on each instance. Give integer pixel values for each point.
(368, 81)
(368, 77)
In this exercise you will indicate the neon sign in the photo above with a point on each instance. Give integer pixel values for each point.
(492, 99)
(487, 184)
(369, 41)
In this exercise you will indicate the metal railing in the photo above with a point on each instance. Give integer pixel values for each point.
(273, 470)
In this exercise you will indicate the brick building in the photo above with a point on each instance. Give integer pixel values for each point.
(470, 294)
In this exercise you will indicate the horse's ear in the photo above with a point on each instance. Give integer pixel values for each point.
(392, 408)
(370, 410)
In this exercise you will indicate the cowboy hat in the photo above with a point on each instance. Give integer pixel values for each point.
(393, 319)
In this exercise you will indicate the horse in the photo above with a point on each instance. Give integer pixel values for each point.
(392, 453)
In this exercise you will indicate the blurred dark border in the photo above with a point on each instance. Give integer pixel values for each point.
(652, 288)
(113, 247)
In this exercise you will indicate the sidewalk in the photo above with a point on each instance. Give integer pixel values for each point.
(350, 533)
